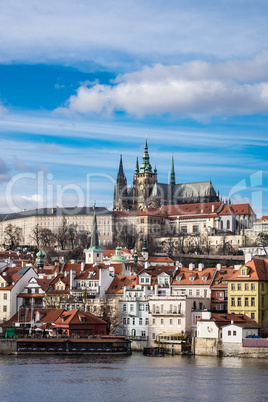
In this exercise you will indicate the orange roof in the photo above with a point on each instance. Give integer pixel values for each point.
(258, 271)
(222, 276)
(74, 317)
(184, 274)
(117, 285)
(153, 212)
(160, 259)
(192, 209)
(227, 210)
(263, 218)
(243, 209)
(222, 319)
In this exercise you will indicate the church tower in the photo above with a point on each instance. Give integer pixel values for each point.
(94, 254)
(144, 180)
(120, 189)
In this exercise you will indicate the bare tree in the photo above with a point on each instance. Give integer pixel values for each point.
(262, 240)
(47, 238)
(83, 239)
(72, 235)
(61, 234)
(225, 247)
(12, 236)
(35, 235)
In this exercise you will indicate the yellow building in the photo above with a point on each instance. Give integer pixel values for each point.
(248, 290)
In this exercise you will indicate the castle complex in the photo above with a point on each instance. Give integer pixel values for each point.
(147, 192)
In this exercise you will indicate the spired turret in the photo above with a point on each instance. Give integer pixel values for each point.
(120, 189)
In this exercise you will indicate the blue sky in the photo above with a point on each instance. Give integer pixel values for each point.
(83, 82)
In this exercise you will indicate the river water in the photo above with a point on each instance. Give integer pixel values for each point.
(133, 378)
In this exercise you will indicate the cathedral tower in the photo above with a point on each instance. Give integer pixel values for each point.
(144, 180)
(120, 189)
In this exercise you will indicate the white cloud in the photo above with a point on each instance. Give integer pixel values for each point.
(116, 32)
(197, 89)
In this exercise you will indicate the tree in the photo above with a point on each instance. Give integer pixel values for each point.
(83, 239)
(12, 236)
(225, 247)
(72, 234)
(47, 238)
(262, 240)
(35, 235)
(61, 234)
(127, 234)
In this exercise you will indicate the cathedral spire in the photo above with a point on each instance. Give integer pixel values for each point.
(146, 166)
(120, 170)
(172, 173)
(137, 167)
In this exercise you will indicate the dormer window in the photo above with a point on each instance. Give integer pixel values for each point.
(204, 278)
(243, 272)
(192, 278)
(82, 319)
(179, 278)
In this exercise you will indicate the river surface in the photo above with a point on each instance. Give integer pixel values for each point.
(133, 378)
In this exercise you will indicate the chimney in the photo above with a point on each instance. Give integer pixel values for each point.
(191, 266)
(212, 208)
(248, 257)
(72, 276)
(218, 266)
(200, 267)
(206, 315)
(156, 290)
(82, 266)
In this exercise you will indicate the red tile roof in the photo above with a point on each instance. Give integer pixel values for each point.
(185, 274)
(117, 285)
(258, 271)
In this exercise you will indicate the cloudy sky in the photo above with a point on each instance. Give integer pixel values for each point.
(82, 82)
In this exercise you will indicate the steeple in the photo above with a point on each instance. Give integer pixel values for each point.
(172, 173)
(120, 170)
(137, 167)
(146, 166)
(94, 243)
(94, 254)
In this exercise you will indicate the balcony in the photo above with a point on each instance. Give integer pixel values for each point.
(166, 312)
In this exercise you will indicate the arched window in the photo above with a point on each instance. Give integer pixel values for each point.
(228, 224)
(221, 225)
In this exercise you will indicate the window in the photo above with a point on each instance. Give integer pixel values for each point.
(195, 229)
(234, 333)
(153, 320)
(232, 286)
(133, 321)
(253, 286)
(143, 333)
(179, 321)
(128, 321)
(153, 335)
(243, 272)
(147, 280)
(141, 307)
(5, 296)
(162, 321)
(132, 307)
(162, 308)
(246, 301)
(253, 301)
(171, 321)
(190, 292)
(239, 286)
(262, 287)
(153, 308)
(198, 293)
(228, 224)
(239, 301)
(4, 309)
(229, 333)
(246, 286)
(232, 301)
(124, 321)
(142, 280)
(262, 301)
(253, 316)
(147, 307)
(124, 307)
(184, 229)
(140, 321)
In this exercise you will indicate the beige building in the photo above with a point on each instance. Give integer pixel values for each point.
(51, 218)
